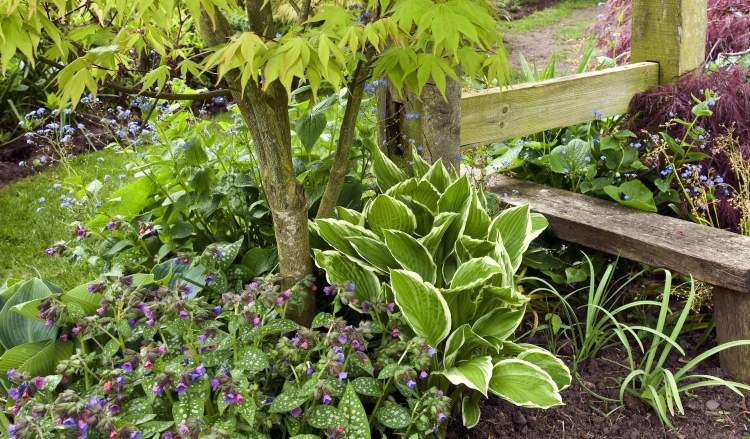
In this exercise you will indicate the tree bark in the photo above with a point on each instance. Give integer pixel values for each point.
(266, 114)
(441, 123)
(340, 166)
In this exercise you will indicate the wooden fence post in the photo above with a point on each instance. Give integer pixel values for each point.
(671, 33)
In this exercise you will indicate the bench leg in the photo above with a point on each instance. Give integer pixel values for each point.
(732, 314)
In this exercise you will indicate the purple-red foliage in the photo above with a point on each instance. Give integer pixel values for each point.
(658, 106)
(728, 28)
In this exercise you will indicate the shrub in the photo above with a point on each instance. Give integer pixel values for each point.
(728, 28)
(428, 244)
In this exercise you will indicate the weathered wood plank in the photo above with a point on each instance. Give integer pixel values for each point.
(731, 311)
(716, 256)
(501, 113)
(671, 33)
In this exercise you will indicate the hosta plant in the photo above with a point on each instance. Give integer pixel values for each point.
(428, 245)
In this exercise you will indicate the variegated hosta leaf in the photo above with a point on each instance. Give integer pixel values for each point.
(374, 252)
(500, 323)
(422, 305)
(470, 412)
(420, 166)
(538, 225)
(524, 384)
(386, 212)
(350, 215)
(394, 416)
(475, 248)
(386, 172)
(353, 415)
(475, 273)
(550, 364)
(220, 255)
(515, 228)
(462, 343)
(337, 233)
(411, 254)
(438, 176)
(433, 240)
(462, 305)
(341, 270)
(421, 191)
(456, 197)
(477, 219)
(474, 373)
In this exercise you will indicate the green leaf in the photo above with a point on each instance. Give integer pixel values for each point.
(252, 360)
(322, 320)
(341, 270)
(550, 364)
(80, 298)
(309, 127)
(337, 233)
(386, 172)
(394, 416)
(353, 415)
(475, 272)
(260, 260)
(29, 309)
(374, 252)
(474, 374)
(434, 239)
(386, 212)
(422, 305)
(470, 411)
(456, 196)
(324, 417)
(38, 358)
(220, 255)
(17, 329)
(501, 323)
(410, 254)
(289, 399)
(633, 194)
(524, 384)
(462, 343)
(367, 386)
(514, 227)
(571, 158)
(438, 176)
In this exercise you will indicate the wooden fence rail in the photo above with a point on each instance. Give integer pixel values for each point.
(668, 40)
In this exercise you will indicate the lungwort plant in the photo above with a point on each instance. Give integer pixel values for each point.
(428, 245)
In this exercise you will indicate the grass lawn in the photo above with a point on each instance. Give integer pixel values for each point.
(32, 218)
(547, 17)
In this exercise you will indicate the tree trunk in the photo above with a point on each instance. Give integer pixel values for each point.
(266, 114)
(340, 166)
(441, 123)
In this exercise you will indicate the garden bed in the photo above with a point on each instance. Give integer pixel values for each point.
(714, 412)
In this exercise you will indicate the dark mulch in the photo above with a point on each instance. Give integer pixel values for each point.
(709, 413)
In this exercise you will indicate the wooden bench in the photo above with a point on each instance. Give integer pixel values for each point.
(715, 256)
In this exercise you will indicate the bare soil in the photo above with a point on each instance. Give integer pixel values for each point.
(538, 45)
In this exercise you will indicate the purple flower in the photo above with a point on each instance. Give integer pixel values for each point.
(343, 338)
(12, 430)
(69, 422)
(120, 380)
(14, 393)
(198, 373)
(268, 400)
(157, 389)
(441, 417)
(349, 287)
(326, 399)
(181, 388)
(256, 321)
(217, 309)
(183, 429)
(328, 290)
(342, 376)
(127, 367)
(423, 375)
(11, 373)
(439, 393)
(136, 435)
(390, 307)
(132, 322)
(411, 383)
(202, 338)
(215, 383)
(296, 412)
(233, 398)
(39, 382)
(310, 371)
(183, 314)
(167, 435)
(93, 402)
(430, 351)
